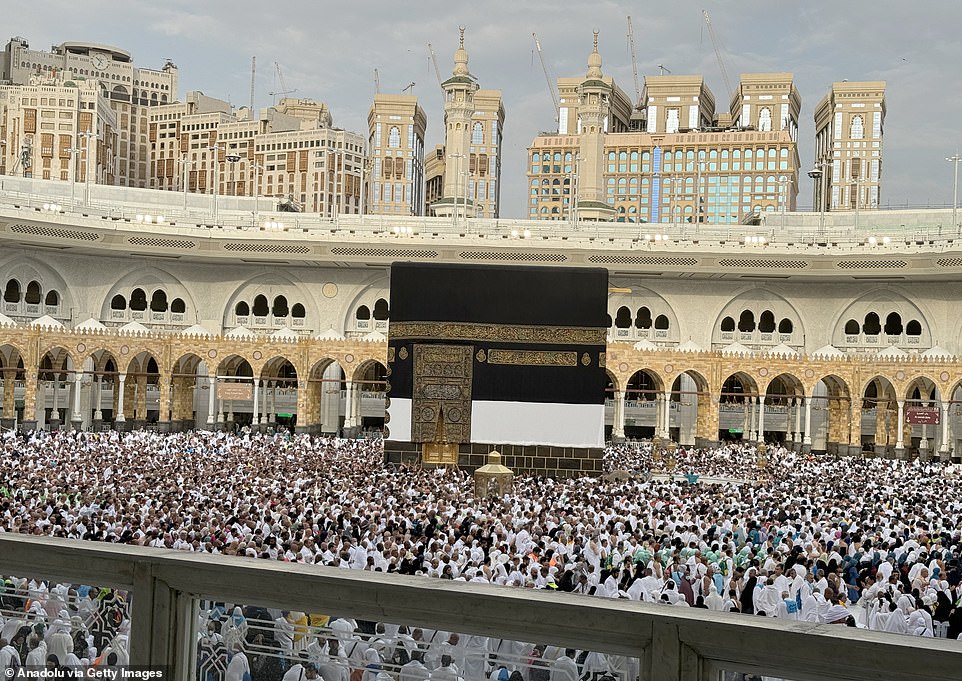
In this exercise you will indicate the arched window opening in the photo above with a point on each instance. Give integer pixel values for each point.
(178, 306)
(33, 293)
(661, 322)
(643, 318)
(477, 134)
(852, 327)
(858, 128)
(381, 311)
(158, 301)
(766, 323)
(728, 324)
(260, 308)
(138, 300)
(242, 309)
(765, 119)
(746, 321)
(394, 137)
(623, 318)
(913, 328)
(118, 302)
(871, 326)
(297, 311)
(785, 326)
(363, 313)
(11, 293)
(893, 324)
(279, 308)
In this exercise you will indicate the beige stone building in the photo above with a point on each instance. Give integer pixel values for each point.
(290, 152)
(58, 129)
(434, 166)
(130, 90)
(849, 126)
(396, 127)
(674, 161)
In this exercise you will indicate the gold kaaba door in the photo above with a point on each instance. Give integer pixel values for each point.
(441, 399)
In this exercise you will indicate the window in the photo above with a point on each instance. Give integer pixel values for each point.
(11, 294)
(661, 322)
(858, 128)
(242, 309)
(913, 328)
(260, 308)
(871, 326)
(158, 301)
(765, 119)
(671, 124)
(118, 302)
(177, 306)
(477, 134)
(381, 311)
(394, 137)
(280, 309)
(32, 296)
(363, 313)
(893, 324)
(746, 321)
(623, 318)
(297, 311)
(643, 319)
(785, 326)
(766, 323)
(138, 300)
(852, 328)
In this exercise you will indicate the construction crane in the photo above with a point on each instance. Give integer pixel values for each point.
(664, 69)
(718, 56)
(409, 86)
(377, 82)
(434, 60)
(280, 79)
(634, 63)
(253, 71)
(544, 67)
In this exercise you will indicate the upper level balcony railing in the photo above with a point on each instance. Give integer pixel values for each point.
(165, 589)
(879, 231)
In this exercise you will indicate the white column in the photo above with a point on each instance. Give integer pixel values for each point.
(761, 419)
(98, 400)
(119, 418)
(357, 411)
(618, 422)
(798, 420)
(76, 416)
(348, 403)
(212, 400)
(257, 385)
(55, 411)
(752, 418)
(808, 421)
(944, 447)
(899, 444)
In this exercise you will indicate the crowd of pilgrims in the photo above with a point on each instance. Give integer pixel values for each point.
(871, 543)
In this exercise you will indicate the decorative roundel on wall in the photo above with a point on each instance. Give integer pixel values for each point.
(124, 350)
(348, 358)
(257, 354)
(900, 375)
(427, 414)
(329, 290)
(669, 368)
(81, 347)
(212, 354)
(944, 376)
(623, 366)
(809, 373)
(763, 371)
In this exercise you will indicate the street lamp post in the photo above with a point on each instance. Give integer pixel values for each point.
(214, 150)
(819, 174)
(90, 135)
(955, 188)
(73, 151)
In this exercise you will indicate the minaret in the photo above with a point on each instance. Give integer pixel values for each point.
(459, 92)
(594, 95)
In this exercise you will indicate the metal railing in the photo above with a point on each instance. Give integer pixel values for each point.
(683, 644)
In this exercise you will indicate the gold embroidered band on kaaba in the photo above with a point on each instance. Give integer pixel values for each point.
(543, 358)
(498, 333)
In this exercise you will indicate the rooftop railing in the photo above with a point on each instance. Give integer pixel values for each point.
(166, 588)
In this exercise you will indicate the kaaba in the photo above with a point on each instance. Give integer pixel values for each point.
(497, 357)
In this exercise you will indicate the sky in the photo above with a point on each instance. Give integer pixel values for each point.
(329, 50)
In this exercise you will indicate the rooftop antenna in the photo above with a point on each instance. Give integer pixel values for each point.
(409, 86)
